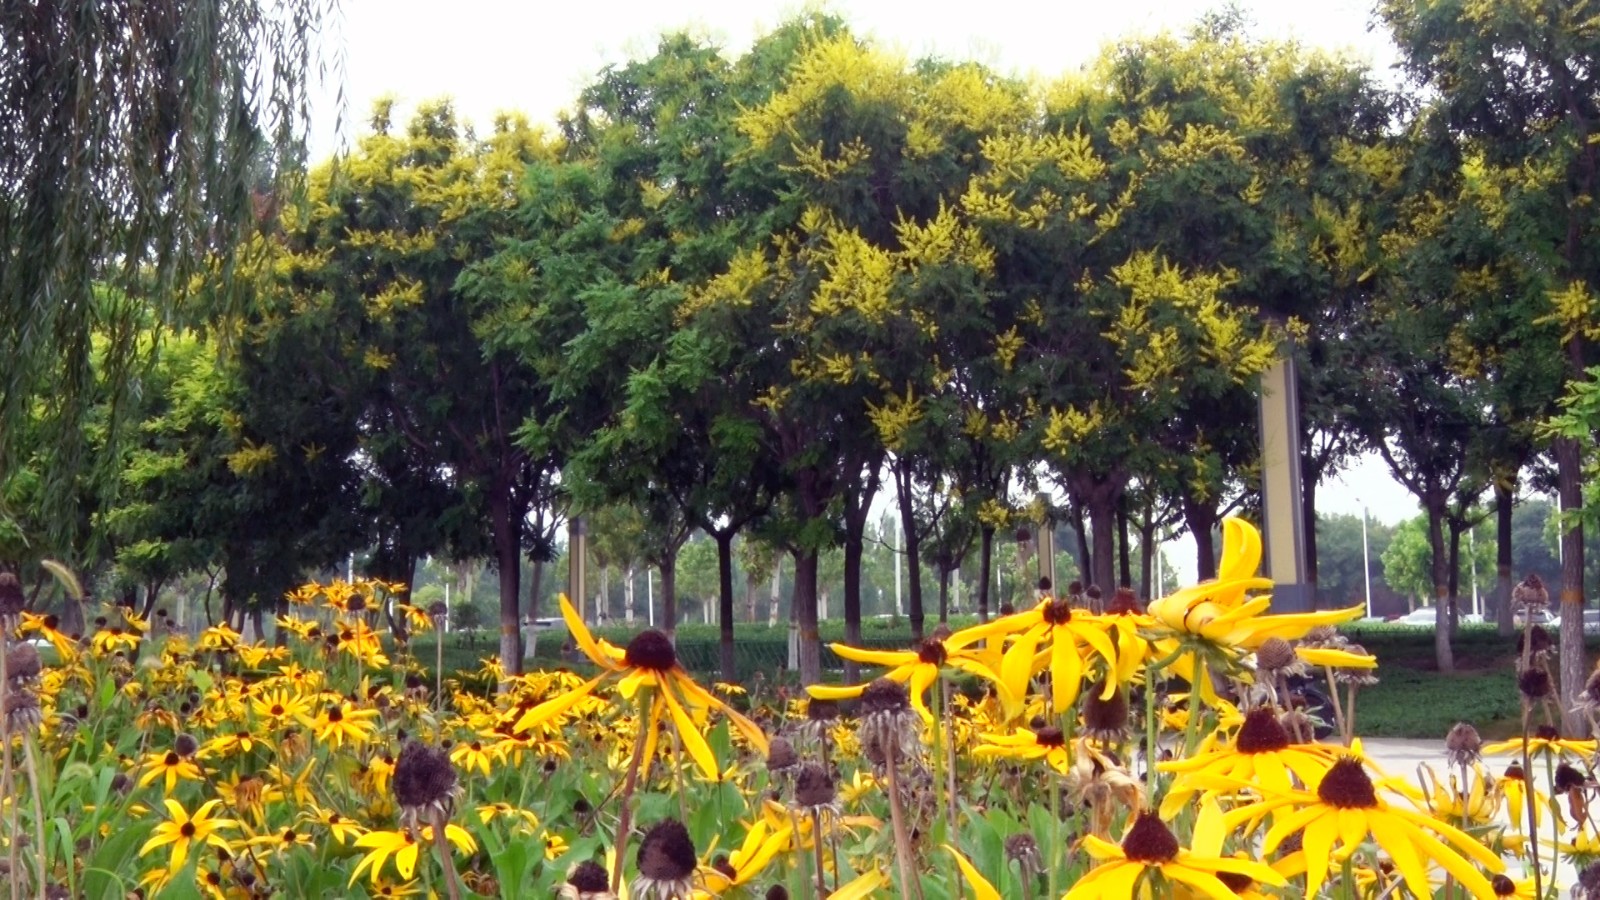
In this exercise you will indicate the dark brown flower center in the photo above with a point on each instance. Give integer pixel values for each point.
(813, 787)
(589, 877)
(1347, 786)
(651, 650)
(186, 829)
(1261, 732)
(1547, 732)
(1106, 715)
(1235, 882)
(1503, 886)
(932, 652)
(1058, 612)
(721, 864)
(335, 714)
(884, 696)
(289, 835)
(171, 758)
(1149, 840)
(1050, 736)
(667, 852)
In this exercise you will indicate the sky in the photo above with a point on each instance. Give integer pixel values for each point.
(512, 55)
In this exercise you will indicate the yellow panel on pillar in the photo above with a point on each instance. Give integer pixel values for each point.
(1283, 522)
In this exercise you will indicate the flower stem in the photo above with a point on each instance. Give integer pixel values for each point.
(5, 766)
(1527, 777)
(816, 844)
(897, 815)
(31, 761)
(1151, 753)
(629, 783)
(442, 843)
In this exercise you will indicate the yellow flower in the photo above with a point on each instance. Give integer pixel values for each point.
(1260, 755)
(471, 756)
(341, 828)
(380, 845)
(555, 846)
(172, 767)
(183, 831)
(1074, 637)
(1149, 848)
(219, 637)
(649, 661)
(1546, 742)
(917, 669)
(109, 640)
(339, 721)
(489, 812)
(1450, 803)
(283, 839)
(1046, 743)
(1345, 806)
(761, 844)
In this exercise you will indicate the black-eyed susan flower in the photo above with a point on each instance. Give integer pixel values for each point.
(172, 767)
(729, 870)
(1260, 754)
(1053, 637)
(649, 661)
(342, 828)
(1546, 741)
(1047, 743)
(1344, 808)
(286, 838)
(586, 880)
(490, 812)
(667, 863)
(380, 846)
(1149, 851)
(182, 832)
(339, 721)
(472, 755)
(917, 669)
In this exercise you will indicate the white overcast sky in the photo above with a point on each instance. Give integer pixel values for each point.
(533, 57)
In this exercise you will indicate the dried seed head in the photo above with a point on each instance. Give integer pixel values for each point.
(437, 610)
(1463, 745)
(22, 711)
(1347, 786)
(1538, 640)
(1275, 655)
(22, 663)
(813, 787)
(1588, 886)
(1049, 736)
(1023, 850)
(1358, 677)
(667, 856)
(1530, 594)
(932, 652)
(589, 877)
(1534, 684)
(1324, 637)
(186, 745)
(822, 710)
(1568, 777)
(424, 779)
(781, 755)
(1105, 720)
(884, 696)
(941, 632)
(1149, 840)
(1261, 732)
(651, 650)
(11, 598)
(1124, 603)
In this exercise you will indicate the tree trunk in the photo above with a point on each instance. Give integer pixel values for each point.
(1441, 621)
(913, 544)
(777, 592)
(854, 550)
(1453, 575)
(627, 593)
(1308, 512)
(1124, 555)
(602, 595)
(1103, 534)
(944, 594)
(985, 562)
(535, 585)
(1081, 534)
(1201, 520)
(1502, 559)
(1574, 670)
(1147, 555)
(805, 609)
(508, 563)
(725, 604)
(669, 592)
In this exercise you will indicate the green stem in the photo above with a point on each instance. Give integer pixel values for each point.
(629, 783)
(1151, 752)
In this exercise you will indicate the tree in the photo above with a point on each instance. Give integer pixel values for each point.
(132, 140)
(1519, 84)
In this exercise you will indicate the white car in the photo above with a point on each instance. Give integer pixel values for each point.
(1426, 617)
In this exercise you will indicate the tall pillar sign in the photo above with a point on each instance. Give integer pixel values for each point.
(1283, 525)
(578, 563)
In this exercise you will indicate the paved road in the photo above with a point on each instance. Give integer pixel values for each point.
(1401, 757)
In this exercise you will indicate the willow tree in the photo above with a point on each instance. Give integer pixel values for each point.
(136, 142)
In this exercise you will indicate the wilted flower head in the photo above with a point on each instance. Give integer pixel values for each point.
(11, 599)
(22, 711)
(1023, 850)
(1530, 594)
(814, 789)
(667, 862)
(781, 756)
(586, 880)
(888, 723)
(1105, 720)
(424, 783)
(1462, 745)
(1276, 656)
(1534, 683)
(22, 663)
(1358, 677)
